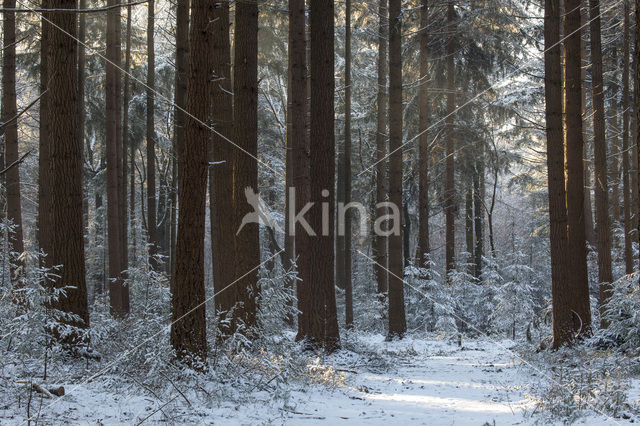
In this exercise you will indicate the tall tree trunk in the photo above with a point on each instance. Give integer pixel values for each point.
(637, 97)
(152, 227)
(118, 292)
(65, 169)
(245, 171)
(82, 35)
(381, 241)
(348, 285)
(222, 221)
(397, 322)
(128, 150)
(614, 148)
(44, 182)
(449, 188)
(578, 282)
(468, 212)
(188, 327)
(562, 317)
(323, 321)
(605, 276)
(300, 151)
(289, 232)
(9, 111)
(628, 249)
(182, 65)
(424, 246)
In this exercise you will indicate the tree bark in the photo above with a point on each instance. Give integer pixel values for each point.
(118, 292)
(245, 167)
(562, 318)
(424, 246)
(449, 190)
(637, 97)
(300, 152)
(478, 204)
(223, 233)
(44, 182)
(397, 322)
(188, 327)
(323, 321)
(380, 241)
(65, 169)
(10, 110)
(588, 205)
(578, 282)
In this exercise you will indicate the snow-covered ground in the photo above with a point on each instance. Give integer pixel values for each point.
(407, 382)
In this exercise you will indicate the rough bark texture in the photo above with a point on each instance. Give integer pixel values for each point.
(348, 285)
(9, 111)
(245, 167)
(637, 97)
(152, 230)
(562, 318)
(221, 175)
(323, 321)
(381, 242)
(424, 246)
(397, 322)
(577, 283)
(188, 327)
(182, 65)
(118, 293)
(300, 151)
(626, 167)
(123, 150)
(449, 189)
(65, 168)
(605, 276)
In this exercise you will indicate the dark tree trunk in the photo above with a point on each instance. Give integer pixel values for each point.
(44, 182)
(152, 230)
(118, 293)
(381, 241)
(637, 97)
(449, 189)
(578, 282)
(300, 152)
(128, 150)
(245, 167)
(562, 317)
(397, 323)
(323, 321)
(9, 111)
(125, 144)
(424, 246)
(188, 327)
(65, 168)
(478, 216)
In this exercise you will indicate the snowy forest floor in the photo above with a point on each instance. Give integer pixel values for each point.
(369, 381)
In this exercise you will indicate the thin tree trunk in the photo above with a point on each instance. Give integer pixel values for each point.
(478, 203)
(188, 327)
(468, 213)
(82, 35)
(128, 145)
(588, 205)
(381, 241)
(348, 285)
(578, 282)
(245, 168)
(289, 233)
(44, 182)
(323, 321)
(10, 110)
(118, 293)
(124, 148)
(424, 247)
(628, 249)
(65, 170)
(637, 97)
(562, 317)
(152, 230)
(449, 190)
(397, 322)
(614, 149)
(182, 65)
(300, 151)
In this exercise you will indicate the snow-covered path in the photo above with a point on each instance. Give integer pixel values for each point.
(432, 383)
